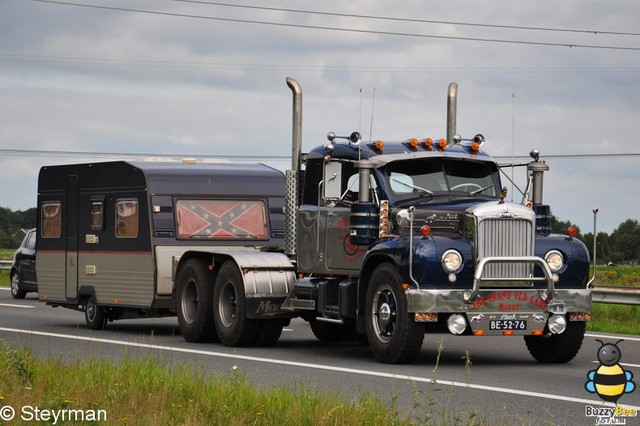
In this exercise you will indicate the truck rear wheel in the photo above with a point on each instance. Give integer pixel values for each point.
(94, 314)
(229, 301)
(195, 306)
(393, 336)
(557, 348)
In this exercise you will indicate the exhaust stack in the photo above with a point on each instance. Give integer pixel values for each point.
(292, 176)
(297, 123)
(452, 111)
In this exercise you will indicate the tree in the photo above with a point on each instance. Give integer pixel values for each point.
(625, 241)
(603, 248)
(560, 227)
(12, 223)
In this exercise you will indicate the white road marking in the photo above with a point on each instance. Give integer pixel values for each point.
(413, 379)
(626, 337)
(9, 305)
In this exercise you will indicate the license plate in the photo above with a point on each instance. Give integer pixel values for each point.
(507, 325)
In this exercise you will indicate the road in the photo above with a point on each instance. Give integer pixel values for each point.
(501, 383)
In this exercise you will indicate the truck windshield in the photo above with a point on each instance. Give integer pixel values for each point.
(439, 175)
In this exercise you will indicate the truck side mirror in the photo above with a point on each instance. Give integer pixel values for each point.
(332, 181)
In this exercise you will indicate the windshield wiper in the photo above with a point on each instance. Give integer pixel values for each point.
(408, 185)
(479, 190)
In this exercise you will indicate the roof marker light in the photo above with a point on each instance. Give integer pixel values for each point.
(442, 143)
(428, 142)
(377, 145)
(572, 231)
(413, 142)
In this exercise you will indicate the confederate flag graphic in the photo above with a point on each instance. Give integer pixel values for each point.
(221, 219)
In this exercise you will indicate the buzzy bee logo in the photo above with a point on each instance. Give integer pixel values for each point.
(610, 381)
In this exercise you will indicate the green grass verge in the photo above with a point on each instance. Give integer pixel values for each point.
(144, 392)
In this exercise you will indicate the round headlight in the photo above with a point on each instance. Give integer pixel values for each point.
(452, 261)
(555, 260)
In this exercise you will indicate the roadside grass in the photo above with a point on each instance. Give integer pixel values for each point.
(145, 391)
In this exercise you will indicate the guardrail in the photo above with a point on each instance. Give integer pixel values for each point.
(617, 295)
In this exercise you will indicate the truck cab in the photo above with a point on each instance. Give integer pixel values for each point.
(397, 239)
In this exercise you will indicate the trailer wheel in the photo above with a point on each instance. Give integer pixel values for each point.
(557, 348)
(229, 301)
(94, 314)
(393, 336)
(195, 306)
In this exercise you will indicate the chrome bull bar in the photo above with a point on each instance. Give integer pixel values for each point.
(478, 277)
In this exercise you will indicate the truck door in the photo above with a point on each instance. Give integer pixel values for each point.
(71, 238)
(341, 254)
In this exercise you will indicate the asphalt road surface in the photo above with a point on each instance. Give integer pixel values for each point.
(453, 378)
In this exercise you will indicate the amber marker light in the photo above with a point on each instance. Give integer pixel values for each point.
(405, 286)
(507, 332)
(428, 142)
(475, 146)
(413, 142)
(537, 332)
(442, 143)
(378, 144)
(478, 332)
(116, 301)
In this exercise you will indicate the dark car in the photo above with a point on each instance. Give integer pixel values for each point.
(23, 269)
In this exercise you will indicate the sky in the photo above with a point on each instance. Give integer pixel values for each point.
(90, 80)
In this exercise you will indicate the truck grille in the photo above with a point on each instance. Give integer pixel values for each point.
(505, 230)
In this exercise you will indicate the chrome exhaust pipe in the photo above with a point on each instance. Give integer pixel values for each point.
(292, 176)
(452, 111)
(297, 124)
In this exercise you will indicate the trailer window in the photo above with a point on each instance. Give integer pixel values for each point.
(51, 218)
(221, 219)
(127, 218)
(97, 215)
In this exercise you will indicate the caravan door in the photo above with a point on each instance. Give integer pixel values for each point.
(71, 238)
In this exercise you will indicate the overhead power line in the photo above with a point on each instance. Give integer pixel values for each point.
(162, 63)
(413, 20)
(350, 30)
(90, 154)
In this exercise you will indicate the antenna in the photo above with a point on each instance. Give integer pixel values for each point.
(373, 103)
(360, 113)
(513, 137)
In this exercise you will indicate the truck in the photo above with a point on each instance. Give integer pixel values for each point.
(376, 242)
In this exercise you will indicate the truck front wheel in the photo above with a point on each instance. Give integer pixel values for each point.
(229, 301)
(557, 348)
(195, 307)
(393, 336)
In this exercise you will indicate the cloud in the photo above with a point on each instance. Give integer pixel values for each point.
(97, 80)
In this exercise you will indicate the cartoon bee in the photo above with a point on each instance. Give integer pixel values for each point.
(610, 381)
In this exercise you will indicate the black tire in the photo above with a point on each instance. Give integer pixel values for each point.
(328, 332)
(94, 314)
(195, 302)
(557, 348)
(16, 291)
(229, 301)
(270, 332)
(393, 336)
